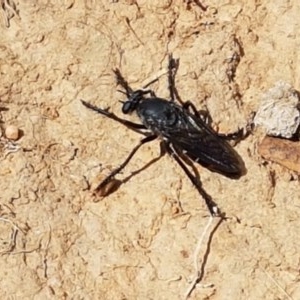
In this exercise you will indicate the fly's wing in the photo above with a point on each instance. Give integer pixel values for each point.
(196, 140)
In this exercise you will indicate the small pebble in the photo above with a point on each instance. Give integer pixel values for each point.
(278, 112)
(12, 132)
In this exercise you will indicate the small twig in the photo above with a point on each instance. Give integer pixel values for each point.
(130, 27)
(155, 77)
(198, 268)
(278, 285)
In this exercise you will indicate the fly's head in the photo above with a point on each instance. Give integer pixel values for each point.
(133, 101)
(133, 97)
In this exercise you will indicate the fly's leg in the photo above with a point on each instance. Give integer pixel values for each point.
(211, 205)
(241, 133)
(188, 104)
(236, 137)
(124, 164)
(122, 82)
(205, 116)
(133, 126)
(172, 70)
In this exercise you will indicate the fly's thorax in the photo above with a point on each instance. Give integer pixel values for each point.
(157, 114)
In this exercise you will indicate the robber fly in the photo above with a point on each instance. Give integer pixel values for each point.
(182, 130)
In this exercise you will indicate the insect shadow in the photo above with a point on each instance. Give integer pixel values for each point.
(183, 131)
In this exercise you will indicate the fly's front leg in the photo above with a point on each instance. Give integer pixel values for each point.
(172, 70)
(122, 82)
(131, 125)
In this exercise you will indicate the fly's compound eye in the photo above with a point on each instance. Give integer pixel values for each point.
(127, 107)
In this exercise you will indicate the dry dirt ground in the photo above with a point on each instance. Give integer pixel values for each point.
(60, 242)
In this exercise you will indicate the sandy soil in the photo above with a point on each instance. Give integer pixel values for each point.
(56, 240)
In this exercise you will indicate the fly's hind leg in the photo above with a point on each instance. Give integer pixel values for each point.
(211, 205)
(241, 133)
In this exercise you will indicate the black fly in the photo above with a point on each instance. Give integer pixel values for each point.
(182, 130)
